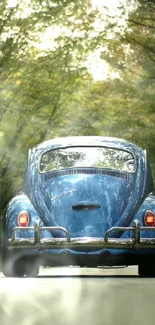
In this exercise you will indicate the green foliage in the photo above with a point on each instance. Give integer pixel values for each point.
(48, 92)
(37, 86)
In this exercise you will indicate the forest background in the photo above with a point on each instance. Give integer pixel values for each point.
(72, 68)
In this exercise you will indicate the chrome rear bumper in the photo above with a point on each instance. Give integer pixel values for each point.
(81, 242)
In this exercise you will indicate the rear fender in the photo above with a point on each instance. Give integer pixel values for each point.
(16, 205)
(148, 204)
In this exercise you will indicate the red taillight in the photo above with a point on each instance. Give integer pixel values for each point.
(149, 219)
(23, 219)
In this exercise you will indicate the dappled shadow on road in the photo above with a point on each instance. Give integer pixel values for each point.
(67, 296)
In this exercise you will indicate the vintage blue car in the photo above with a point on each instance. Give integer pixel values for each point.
(85, 201)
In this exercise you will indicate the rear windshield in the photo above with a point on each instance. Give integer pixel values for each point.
(74, 157)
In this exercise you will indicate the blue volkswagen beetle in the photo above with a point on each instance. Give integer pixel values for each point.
(85, 201)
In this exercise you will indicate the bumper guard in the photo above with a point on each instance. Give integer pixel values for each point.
(81, 242)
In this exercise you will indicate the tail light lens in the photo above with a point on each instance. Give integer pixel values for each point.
(149, 219)
(23, 219)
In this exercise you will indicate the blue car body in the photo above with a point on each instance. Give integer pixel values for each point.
(83, 213)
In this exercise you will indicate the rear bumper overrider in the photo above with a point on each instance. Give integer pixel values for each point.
(81, 242)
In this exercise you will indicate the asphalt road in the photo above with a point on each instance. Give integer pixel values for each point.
(78, 296)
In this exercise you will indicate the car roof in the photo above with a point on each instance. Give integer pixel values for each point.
(86, 141)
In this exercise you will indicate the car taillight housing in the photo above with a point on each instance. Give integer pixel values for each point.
(149, 218)
(23, 219)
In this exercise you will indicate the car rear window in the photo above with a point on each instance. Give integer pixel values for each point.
(99, 157)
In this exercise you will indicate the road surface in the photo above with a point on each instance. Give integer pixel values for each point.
(65, 296)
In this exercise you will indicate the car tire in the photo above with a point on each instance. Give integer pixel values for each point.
(13, 267)
(146, 270)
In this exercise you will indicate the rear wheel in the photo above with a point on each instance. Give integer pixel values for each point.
(146, 270)
(10, 266)
(13, 267)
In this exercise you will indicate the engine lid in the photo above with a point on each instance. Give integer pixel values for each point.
(86, 205)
